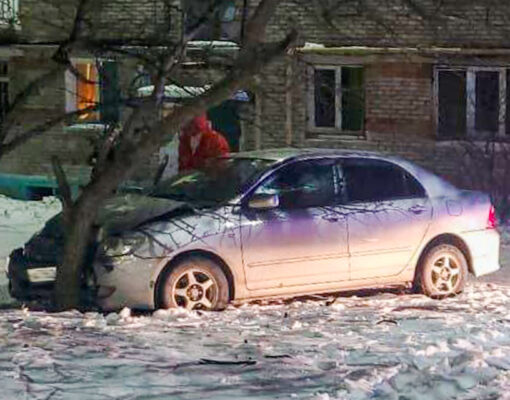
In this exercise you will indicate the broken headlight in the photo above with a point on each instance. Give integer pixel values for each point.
(127, 244)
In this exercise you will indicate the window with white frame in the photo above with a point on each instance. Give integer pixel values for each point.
(212, 21)
(93, 89)
(336, 101)
(472, 101)
(9, 10)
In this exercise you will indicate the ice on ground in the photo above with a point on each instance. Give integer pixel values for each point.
(384, 346)
(19, 220)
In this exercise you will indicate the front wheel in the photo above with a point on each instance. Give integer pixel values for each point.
(442, 272)
(196, 283)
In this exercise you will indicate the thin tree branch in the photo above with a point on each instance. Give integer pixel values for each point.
(39, 129)
(63, 187)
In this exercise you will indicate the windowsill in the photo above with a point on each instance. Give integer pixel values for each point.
(479, 137)
(4, 25)
(213, 44)
(480, 141)
(86, 126)
(321, 134)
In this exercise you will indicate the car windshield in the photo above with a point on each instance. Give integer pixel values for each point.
(220, 180)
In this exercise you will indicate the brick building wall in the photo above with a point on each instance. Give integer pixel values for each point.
(399, 89)
(399, 98)
(42, 25)
(399, 103)
(49, 21)
(395, 23)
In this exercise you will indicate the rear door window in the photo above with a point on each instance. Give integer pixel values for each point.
(368, 180)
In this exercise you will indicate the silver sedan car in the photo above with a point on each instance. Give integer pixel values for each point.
(280, 223)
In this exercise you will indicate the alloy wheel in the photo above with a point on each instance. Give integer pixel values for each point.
(195, 289)
(445, 274)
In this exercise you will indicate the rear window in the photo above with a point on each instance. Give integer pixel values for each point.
(375, 180)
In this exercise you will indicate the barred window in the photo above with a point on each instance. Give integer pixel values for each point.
(221, 22)
(336, 101)
(9, 11)
(472, 101)
(96, 93)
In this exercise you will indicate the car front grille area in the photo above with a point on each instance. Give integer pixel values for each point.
(29, 279)
(32, 269)
(41, 249)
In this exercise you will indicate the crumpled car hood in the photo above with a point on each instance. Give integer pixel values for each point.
(120, 213)
(128, 211)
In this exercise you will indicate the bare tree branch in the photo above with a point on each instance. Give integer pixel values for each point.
(61, 57)
(63, 186)
(41, 128)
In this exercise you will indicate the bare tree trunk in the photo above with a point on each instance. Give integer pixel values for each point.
(132, 149)
(79, 229)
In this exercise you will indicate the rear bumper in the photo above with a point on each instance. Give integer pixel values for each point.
(484, 247)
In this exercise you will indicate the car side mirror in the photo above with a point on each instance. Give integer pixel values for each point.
(264, 201)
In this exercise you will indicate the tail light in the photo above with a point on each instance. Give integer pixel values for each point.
(492, 220)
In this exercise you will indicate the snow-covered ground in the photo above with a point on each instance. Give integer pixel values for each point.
(387, 345)
(19, 220)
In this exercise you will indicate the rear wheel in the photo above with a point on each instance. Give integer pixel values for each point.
(442, 272)
(196, 283)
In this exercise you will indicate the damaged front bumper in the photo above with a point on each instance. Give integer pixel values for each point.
(28, 279)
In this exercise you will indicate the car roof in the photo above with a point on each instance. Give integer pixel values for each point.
(283, 154)
(434, 185)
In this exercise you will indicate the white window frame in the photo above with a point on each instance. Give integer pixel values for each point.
(71, 84)
(338, 99)
(71, 96)
(470, 71)
(6, 19)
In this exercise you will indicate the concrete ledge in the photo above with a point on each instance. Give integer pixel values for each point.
(32, 187)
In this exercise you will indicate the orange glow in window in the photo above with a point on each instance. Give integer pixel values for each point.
(87, 92)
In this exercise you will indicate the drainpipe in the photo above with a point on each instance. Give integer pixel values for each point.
(258, 120)
(243, 19)
(288, 102)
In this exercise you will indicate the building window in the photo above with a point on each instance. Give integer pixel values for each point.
(87, 90)
(221, 22)
(4, 90)
(336, 101)
(95, 92)
(472, 102)
(9, 12)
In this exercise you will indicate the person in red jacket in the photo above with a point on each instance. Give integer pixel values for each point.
(199, 142)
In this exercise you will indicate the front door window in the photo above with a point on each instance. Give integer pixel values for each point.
(302, 242)
(302, 185)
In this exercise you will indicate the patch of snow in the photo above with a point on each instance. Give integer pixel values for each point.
(19, 220)
(384, 346)
(310, 45)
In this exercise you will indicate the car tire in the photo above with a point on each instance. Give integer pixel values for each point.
(442, 272)
(195, 283)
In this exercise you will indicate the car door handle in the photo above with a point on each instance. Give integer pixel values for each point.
(417, 209)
